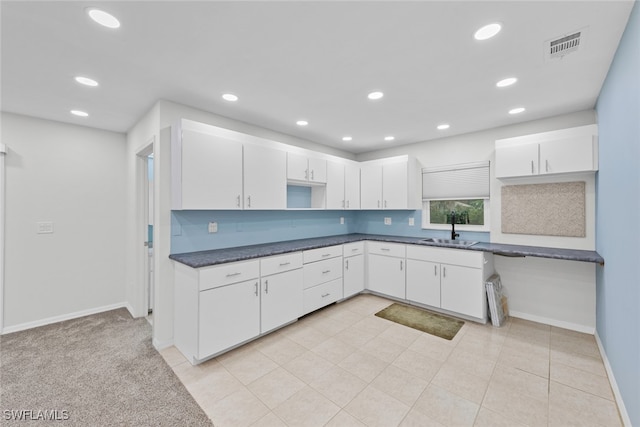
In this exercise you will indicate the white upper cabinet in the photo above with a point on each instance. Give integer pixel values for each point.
(265, 179)
(214, 168)
(208, 172)
(559, 152)
(343, 186)
(335, 185)
(390, 184)
(371, 186)
(304, 169)
(352, 186)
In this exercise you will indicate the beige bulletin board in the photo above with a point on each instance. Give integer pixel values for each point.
(556, 209)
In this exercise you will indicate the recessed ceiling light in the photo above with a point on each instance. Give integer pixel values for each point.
(506, 82)
(347, 138)
(516, 110)
(389, 138)
(302, 122)
(79, 113)
(487, 31)
(375, 95)
(103, 18)
(229, 97)
(443, 126)
(86, 81)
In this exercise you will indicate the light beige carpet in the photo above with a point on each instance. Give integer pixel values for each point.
(422, 320)
(99, 370)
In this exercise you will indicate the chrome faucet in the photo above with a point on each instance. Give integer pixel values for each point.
(453, 226)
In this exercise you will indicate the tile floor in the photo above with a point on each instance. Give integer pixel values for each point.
(342, 366)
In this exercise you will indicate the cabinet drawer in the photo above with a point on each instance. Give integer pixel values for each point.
(461, 257)
(319, 272)
(280, 263)
(388, 249)
(225, 274)
(351, 249)
(322, 295)
(314, 255)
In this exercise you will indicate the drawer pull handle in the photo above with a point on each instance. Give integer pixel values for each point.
(444, 271)
(325, 295)
(233, 274)
(238, 201)
(385, 249)
(354, 250)
(325, 255)
(531, 166)
(326, 271)
(256, 289)
(400, 265)
(435, 270)
(266, 286)
(282, 264)
(346, 264)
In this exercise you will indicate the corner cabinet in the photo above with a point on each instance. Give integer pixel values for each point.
(390, 183)
(565, 151)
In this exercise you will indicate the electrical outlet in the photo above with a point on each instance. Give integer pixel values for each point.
(412, 221)
(341, 220)
(213, 227)
(387, 220)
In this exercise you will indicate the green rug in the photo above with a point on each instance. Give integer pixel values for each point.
(422, 320)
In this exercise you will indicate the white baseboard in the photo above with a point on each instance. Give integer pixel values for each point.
(161, 345)
(554, 322)
(614, 385)
(129, 308)
(63, 317)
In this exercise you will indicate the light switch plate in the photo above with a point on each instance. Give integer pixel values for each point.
(341, 220)
(44, 227)
(213, 227)
(412, 221)
(387, 221)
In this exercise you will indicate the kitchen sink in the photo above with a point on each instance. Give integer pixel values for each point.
(464, 243)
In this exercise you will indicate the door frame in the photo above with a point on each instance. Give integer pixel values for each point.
(3, 154)
(140, 292)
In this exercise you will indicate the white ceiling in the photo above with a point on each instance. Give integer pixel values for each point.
(309, 60)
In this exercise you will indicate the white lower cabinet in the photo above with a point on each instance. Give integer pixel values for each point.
(322, 277)
(423, 282)
(353, 272)
(386, 269)
(228, 315)
(450, 279)
(281, 299)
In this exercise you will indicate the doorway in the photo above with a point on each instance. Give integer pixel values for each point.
(145, 226)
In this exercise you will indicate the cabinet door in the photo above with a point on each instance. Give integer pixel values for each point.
(352, 187)
(395, 186)
(211, 172)
(265, 178)
(567, 155)
(517, 160)
(462, 290)
(228, 316)
(423, 282)
(317, 170)
(297, 167)
(386, 275)
(353, 275)
(335, 186)
(371, 187)
(281, 299)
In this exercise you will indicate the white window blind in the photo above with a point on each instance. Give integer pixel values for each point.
(464, 181)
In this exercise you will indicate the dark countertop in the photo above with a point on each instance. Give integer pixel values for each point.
(221, 256)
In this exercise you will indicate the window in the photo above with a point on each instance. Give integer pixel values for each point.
(463, 189)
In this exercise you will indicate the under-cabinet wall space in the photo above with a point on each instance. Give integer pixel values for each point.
(555, 209)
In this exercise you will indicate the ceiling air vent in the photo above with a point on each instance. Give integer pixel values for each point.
(559, 47)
